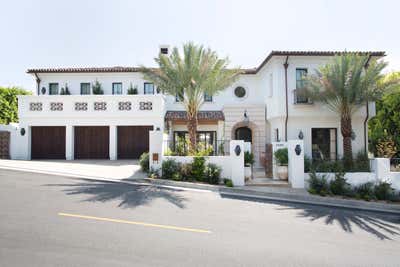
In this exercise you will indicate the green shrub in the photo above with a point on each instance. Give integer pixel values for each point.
(248, 158)
(318, 184)
(307, 164)
(228, 182)
(281, 156)
(365, 191)
(213, 173)
(186, 171)
(339, 185)
(361, 163)
(132, 90)
(198, 168)
(153, 173)
(171, 169)
(144, 161)
(96, 88)
(384, 191)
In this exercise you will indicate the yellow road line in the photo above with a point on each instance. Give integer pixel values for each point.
(135, 223)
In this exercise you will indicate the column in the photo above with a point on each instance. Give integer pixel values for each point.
(237, 162)
(296, 163)
(113, 142)
(69, 142)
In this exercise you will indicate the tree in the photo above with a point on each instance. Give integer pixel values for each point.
(385, 126)
(199, 71)
(9, 103)
(344, 85)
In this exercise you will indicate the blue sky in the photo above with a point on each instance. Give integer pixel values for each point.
(72, 33)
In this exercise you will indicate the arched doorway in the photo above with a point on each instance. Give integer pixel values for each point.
(243, 133)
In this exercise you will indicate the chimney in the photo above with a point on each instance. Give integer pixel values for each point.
(164, 49)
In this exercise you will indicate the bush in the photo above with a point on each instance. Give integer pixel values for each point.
(171, 169)
(248, 158)
(361, 163)
(384, 191)
(213, 173)
(365, 191)
(307, 164)
(186, 171)
(228, 182)
(153, 173)
(339, 185)
(281, 156)
(198, 168)
(318, 184)
(144, 161)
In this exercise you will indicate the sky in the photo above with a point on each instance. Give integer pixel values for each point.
(79, 33)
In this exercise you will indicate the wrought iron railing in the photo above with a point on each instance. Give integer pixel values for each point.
(181, 148)
(300, 97)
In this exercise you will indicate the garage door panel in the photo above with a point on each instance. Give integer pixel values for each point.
(48, 142)
(91, 142)
(133, 141)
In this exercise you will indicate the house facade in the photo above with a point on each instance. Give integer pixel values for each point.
(261, 107)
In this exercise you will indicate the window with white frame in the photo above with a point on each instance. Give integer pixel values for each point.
(148, 89)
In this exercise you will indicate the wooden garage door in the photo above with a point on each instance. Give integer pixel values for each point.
(48, 142)
(133, 141)
(91, 142)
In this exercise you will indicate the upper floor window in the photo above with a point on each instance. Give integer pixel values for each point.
(53, 88)
(208, 98)
(117, 88)
(301, 75)
(85, 88)
(148, 89)
(240, 92)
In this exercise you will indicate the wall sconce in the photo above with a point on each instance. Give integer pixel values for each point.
(22, 131)
(301, 135)
(43, 90)
(353, 135)
(158, 129)
(297, 149)
(237, 150)
(246, 118)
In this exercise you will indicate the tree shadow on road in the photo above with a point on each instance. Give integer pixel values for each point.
(130, 195)
(382, 225)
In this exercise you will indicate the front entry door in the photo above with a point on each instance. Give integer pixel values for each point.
(243, 133)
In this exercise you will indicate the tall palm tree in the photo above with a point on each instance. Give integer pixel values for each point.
(200, 71)
(344, 85)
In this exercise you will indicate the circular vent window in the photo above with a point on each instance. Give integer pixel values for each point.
(240, 92)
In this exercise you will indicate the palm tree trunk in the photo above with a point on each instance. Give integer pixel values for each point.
(346, 129)
(192, 129)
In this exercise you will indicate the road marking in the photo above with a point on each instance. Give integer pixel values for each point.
(136, 223)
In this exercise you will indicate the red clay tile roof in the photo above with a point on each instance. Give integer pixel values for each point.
(202, 115)
(244, 71)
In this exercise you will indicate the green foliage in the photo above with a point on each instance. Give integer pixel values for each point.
(153, 173)
(97, 89)
(144, 161)
(228, 182)
(132, 90)
(186, 171)
(65, 90)
(198, 168)
(281, 156)
(384, 191)
(171, 169)
(318, 184)
(365, 191)
(9, 103)
(248, 158)
(307, 164)
(212, 173)
(359, 164)
(339, 185)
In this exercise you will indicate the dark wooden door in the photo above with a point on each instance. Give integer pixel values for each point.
(92, 142)
(133, 141)
(48, 142)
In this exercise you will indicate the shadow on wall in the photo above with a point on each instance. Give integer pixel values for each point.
(381, 225)
(128, 196)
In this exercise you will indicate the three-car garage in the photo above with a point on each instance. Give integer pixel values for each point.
(89, 142)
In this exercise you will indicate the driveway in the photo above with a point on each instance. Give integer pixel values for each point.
(100, 169)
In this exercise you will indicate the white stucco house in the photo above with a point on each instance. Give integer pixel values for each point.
(261, 107)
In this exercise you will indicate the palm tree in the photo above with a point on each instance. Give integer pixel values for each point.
(200, 71)
(345, 84)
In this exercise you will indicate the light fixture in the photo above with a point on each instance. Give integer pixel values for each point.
(301, 135)
(22, 131)
(246, 118)
(353, 135)
(297, 149)
(237, 150)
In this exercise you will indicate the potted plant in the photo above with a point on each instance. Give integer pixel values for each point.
(248, 163)
(96, 88)
(281, 157)
(132, 90)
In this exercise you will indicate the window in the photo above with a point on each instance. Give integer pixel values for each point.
(240, 92)
(324, 143)
(205, 139)
(148, 89)
(300, 97)
(85, 88)
(117, 88)
(208, 98)
(53, 88)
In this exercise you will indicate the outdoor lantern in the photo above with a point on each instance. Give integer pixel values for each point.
(22, 131)
(353, 135)
(297, 149)
(301, 135)
(246, 118)
(158, 128)
(43, 90)
(237, 150)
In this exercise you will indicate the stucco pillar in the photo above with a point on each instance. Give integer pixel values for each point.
(381, 168)
(237, 162)
(155, 149)
(296, 163)
(69, 142)
(113, 142)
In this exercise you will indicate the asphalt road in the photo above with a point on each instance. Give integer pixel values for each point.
(56, 221)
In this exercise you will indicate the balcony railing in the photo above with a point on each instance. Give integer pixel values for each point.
(300, 97)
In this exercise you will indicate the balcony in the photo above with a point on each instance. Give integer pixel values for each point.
(300, 97)
(90, 106)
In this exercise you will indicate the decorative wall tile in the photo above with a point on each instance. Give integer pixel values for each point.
(145, 105)
(56, 106)
(125, 105)
(100, 106)
(81, 106)
(35, 106)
